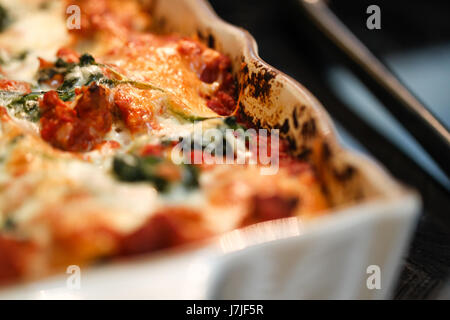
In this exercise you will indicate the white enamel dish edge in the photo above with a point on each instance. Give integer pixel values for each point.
(327, 258)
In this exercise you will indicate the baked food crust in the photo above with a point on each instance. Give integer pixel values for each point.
(87, 140)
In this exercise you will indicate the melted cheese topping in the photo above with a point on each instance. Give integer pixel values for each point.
(161, 64)
(34, 31)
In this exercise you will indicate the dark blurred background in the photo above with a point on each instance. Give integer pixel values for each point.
(414, 42)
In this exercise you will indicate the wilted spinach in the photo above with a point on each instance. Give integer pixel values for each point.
(132, 168)
(5, 19)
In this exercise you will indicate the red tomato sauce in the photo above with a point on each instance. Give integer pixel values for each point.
(80, 128)
(15, 86)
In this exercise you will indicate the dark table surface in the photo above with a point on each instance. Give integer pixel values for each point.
(415, 43)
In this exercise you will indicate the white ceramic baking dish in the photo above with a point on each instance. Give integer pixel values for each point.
(332, 257)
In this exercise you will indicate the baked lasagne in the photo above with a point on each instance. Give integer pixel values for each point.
(91, 121)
